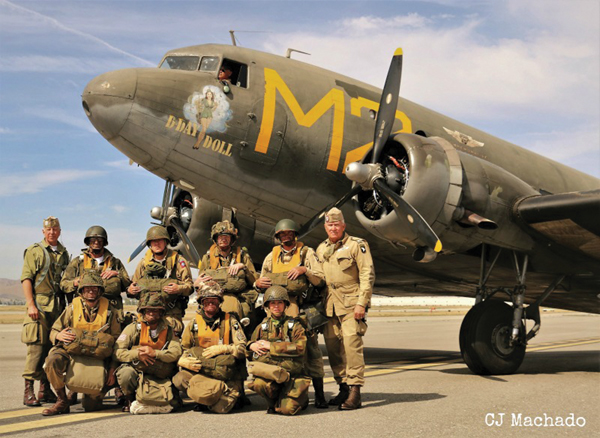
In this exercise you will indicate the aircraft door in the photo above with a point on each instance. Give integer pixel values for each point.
(267, 152)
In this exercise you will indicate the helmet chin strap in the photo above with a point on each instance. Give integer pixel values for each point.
(97, 252)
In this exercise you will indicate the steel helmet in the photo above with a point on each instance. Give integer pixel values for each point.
(157, 232)
(286, 225)
(90, 277)
(276, 293)
(223, 227)
(152, 301)
(210, 289)
(95, 231)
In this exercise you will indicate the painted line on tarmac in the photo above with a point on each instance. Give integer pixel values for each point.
(21, 413)
(59, 420)
(565, 344)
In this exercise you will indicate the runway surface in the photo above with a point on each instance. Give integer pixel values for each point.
(416, 385)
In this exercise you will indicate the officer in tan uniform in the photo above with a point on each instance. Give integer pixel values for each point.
(148, 351)
(214, 351)
(175, 270)
(90, 319)
(294, 266)
(43, 266)
(350, 276)
(232, 268)
(96, 256)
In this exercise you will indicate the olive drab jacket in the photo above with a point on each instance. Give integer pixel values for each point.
(168, 345)
(349, 273)
(112, 287)
(44, 267)
(288, 343)
(213, 260)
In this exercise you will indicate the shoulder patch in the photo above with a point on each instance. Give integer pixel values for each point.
(363, 249)
(122, 337)
(182, 263)
(236, 326)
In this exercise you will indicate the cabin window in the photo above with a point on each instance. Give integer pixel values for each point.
(209, 63)
(189, 63)
(239, 72)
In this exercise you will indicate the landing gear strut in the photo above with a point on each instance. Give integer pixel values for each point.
(493, 335)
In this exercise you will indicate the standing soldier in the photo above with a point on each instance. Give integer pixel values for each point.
(167, 265)
(97, 257)
(84, 336)
(350, 276)
(43, 265)
(232, 268)
(148, 350)
(295, 267)
(214, 351)
(278, 346)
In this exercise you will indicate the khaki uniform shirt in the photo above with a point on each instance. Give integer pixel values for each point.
(314, 272)
(181, 273)
(129, 338)
(75, 269)
(349, 272)
(228, 260)
(33, 265)
(236, 333)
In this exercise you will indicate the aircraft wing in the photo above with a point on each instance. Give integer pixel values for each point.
(569, 220)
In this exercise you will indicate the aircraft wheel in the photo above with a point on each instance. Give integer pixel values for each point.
(484, 339)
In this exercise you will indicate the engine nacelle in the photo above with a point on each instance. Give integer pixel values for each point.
(466, 200)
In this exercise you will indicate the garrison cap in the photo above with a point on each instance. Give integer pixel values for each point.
(334, 215)
(51, 221)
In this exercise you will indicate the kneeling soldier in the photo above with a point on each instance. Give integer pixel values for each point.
(89, 320)
(148, 350)
(214, 354)
(278, 345)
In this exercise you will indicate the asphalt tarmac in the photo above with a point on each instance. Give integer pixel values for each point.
(416, 385)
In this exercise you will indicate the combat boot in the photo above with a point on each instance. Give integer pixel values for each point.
(120, 397)
(342, 395)
(29, 395)
(128, 400)
(60, 407)
(72, 398)
(320, 402)
(353, 400)
(45, 394)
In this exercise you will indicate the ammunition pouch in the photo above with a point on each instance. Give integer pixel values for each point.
(154, 391)
(221, 367)
(160, 369)
(315, 316)
(90, 343)
(86, 375)
(295, 288)
(229, 283)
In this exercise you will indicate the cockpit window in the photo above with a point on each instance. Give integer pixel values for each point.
(209, 63)
(181, 63)
(234, 72)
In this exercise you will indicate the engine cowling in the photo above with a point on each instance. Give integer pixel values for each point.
(461, 196)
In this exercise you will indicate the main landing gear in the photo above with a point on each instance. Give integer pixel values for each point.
(493, 334)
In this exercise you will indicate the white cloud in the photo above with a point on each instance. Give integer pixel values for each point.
(119, 208)
(28, 183)
(5, 131)
(53, 64)
(62, 116)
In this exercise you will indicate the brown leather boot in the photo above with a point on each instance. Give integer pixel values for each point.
(29, 395)
(60, 407)
(120, 397)
(45, 394)
(342, 395)
(72, 398)
(320, 402)
(353, 401)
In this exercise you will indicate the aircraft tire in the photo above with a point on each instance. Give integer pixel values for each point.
(484, 340)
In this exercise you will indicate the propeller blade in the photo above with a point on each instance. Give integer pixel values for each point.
(189, 246)
(403, 209)
(320, 216)
(388, 105)
(138, 250)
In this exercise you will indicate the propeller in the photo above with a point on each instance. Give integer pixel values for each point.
(169, 215)
(369, 176)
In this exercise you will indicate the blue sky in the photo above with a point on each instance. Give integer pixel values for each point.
(526, 71)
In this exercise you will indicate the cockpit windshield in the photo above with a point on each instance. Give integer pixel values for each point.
(209, 63)
(181, 63)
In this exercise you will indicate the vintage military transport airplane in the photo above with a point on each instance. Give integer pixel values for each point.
(446, 208)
